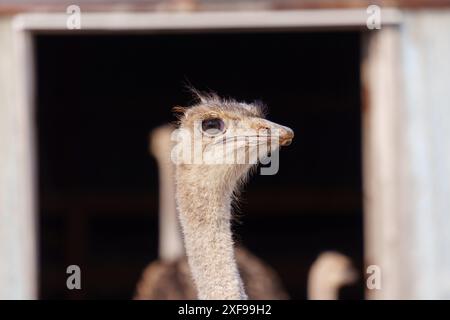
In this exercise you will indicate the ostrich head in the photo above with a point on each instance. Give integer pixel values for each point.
(331, 271)
(339, 269)
(219, 141)
(224, 139)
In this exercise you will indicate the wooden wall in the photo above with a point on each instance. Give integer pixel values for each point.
(407, 156)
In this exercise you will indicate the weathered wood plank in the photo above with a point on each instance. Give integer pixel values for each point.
(406, 76)
(209, 21)
(17, 218)
(21, 6)
(380, 133)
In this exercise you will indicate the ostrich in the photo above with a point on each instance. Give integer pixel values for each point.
(170, 241)
(169, 277)
(331, 271)
(215, 129)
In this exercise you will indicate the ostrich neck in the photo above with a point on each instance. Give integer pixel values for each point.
(205, 217)
(321, 290)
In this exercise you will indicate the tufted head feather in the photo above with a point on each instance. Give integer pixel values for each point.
(210, 103)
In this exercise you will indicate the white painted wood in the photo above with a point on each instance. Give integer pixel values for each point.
(185, 21)
(406, 75)
(381, 123)
(17, 209)
(426, 171)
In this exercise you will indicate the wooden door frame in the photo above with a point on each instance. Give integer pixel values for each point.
(379, 42)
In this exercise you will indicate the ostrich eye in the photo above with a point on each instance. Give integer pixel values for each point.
(213, 126)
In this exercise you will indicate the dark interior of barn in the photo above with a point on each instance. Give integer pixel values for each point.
(99, 96)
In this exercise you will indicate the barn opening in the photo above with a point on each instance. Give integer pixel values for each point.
(99, 95)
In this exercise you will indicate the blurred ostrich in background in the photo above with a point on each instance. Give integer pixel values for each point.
(170, 277)
(328, 274)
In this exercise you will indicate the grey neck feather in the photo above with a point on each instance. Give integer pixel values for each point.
(205, 213)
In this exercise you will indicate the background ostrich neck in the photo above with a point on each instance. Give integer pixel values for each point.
(321, 289)
(205, 218)
(171, 245)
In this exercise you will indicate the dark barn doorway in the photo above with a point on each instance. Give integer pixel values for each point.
(99, 96)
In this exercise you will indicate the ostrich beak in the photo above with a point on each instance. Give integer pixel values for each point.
(285, 134)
